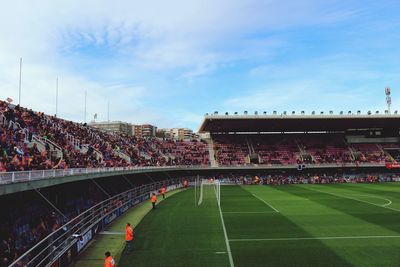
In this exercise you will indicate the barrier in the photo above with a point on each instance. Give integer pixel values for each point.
(23, 176)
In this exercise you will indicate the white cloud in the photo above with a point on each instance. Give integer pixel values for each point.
(160, 41)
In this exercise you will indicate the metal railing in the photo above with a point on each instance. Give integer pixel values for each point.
(14, 125)
(23, 176)
(81, 229)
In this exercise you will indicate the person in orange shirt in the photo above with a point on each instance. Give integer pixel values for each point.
(154, 200)
(163, 191)
(129, 237)
(109, 261)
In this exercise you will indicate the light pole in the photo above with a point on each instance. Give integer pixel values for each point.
(57, 97)
(84, 116)
(20, 79)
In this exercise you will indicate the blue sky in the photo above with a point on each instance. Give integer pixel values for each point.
(170, 62)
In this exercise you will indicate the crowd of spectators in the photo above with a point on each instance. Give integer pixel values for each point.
(320, 178)
(299, 149)
(329, 149)
(231, 150)
(370, 153)
(81, 146)
(276, 150)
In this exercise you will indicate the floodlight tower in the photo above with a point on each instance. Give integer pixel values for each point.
(388, 98)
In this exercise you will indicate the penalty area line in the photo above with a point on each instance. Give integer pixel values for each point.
(265, 202)
(314, 238)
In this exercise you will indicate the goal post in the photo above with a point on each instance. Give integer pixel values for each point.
(216, 187)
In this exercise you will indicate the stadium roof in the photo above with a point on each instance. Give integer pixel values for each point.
(297, 123)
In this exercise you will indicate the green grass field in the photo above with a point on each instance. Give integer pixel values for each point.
(294, 225)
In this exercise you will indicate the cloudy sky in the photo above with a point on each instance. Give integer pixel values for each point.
(170, 62)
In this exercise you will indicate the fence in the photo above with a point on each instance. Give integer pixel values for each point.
(13, 177)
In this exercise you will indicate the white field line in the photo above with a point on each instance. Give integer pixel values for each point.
(356, 199)
(315, 238)
(228, 247)
(247, 212)
(265, 202)
(389, 202)
(201, 195)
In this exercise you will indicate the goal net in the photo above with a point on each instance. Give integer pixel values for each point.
(216, 186)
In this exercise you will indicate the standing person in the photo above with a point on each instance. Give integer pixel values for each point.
(185, 183)
(163, 191)
(154, 200)
(129, 236)
(109, 261)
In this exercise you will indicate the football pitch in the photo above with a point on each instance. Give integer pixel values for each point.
(289, 225)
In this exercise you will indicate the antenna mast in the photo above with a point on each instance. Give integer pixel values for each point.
(388, 98)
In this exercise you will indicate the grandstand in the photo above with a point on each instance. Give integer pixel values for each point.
(77, 184)
(313, 140)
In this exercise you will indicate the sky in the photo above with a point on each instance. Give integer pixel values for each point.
(169, 62)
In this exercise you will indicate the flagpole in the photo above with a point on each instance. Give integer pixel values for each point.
(20, 79)
(85, 106)
(57, 97)
(108, 115)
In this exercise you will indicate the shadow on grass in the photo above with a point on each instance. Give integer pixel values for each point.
(271, 225)
(383, 217)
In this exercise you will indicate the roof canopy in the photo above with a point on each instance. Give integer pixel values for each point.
(297, 123)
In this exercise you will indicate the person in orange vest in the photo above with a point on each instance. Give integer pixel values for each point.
(154, 200)
(163, 191)
(109, 261)
(129, 237)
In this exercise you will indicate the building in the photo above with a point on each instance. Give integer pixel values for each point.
(177, 133)
(113, 126)
(145, 130)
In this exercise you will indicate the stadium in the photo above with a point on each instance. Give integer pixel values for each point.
(262, 187)
(199, 133)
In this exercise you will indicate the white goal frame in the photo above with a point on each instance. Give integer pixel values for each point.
(217, 188)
